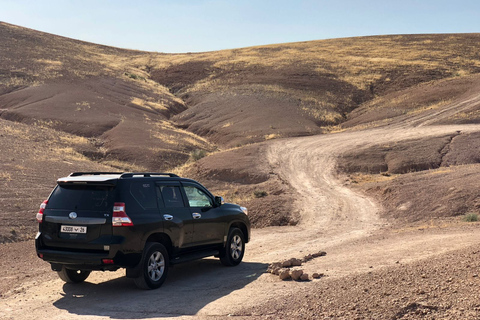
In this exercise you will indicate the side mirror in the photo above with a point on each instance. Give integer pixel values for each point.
(219, 201)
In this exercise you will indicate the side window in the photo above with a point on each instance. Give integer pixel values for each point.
(197, 198)
(143, 193)
(169, 196)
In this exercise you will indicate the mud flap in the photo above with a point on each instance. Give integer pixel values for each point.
(135, 272)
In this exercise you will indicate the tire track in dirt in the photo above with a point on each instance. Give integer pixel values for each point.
(336, 219)
(448, 111)
(331, 212)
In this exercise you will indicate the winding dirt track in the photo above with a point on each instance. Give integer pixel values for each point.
(335, 219)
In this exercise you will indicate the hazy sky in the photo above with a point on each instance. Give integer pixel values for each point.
(205, 25)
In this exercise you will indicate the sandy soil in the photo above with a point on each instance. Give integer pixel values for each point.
(336, 219)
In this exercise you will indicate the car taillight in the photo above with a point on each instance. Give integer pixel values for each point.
(41, 210)
(120, 218)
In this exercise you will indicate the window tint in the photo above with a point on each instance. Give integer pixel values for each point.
(82, 197)
(197, 198)
(171, 196)
(142, 192)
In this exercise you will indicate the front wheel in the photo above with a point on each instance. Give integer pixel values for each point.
(233, 251)
(154, 267)
(73, 276)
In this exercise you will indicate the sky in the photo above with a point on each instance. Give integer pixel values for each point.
(178, 26)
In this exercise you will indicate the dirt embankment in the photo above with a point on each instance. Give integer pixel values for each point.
(403, 176)
(244, 176)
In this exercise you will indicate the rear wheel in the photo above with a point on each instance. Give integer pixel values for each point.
(233, 251)
(154, 266)
(73, 276)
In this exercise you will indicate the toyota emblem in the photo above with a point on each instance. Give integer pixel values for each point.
(72, 215)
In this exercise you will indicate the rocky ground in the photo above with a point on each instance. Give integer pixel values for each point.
(443, 287)
(361, 217)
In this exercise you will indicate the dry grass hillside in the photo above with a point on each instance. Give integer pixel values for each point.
(385, 186)
(121, 109)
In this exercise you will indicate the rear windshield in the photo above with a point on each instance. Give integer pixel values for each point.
(82, 197)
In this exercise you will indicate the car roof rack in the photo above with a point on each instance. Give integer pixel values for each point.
(148, 174)
(123, 174)
(93, 173)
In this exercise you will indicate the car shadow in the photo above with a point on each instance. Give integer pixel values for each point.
(189, 287)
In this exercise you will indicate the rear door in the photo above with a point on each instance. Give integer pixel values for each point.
(209, 221)
(78, 214)
(178, 221)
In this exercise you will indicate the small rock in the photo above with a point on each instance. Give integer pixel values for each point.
(276, 271)
(307, 258)
(284, 275)
(296, 274)
(295, 262)
(286, 264)
(276, 265)
(304, 277)
(322, 253)
(273, 267)
(317, 275)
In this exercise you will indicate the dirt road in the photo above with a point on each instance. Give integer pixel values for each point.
(335, 219)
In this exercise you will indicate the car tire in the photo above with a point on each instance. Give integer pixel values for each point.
(154, 267)
(234, 249)
(73, 276)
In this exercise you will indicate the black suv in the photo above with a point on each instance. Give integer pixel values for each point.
(143, 222)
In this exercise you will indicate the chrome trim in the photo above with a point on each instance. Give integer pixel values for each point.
(77, 221)
(196, 215)
(167, 217)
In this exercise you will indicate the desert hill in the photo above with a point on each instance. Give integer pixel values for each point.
(131, 110)
(230, 97)
(368, 145)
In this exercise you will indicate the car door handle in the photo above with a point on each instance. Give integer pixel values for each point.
(167, 217)
(196, 215)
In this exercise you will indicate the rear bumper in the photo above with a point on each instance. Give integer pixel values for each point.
(81, 258)
(69, 257)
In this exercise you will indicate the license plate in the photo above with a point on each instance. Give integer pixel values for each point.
(73, 229)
